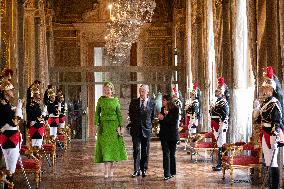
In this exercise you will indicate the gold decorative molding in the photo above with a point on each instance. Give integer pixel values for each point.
(3, 8)
(4, 50)
(30, 4)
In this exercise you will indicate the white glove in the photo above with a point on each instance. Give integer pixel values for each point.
(44, 112)
(256, 104)
(19, 111)
(223, 126)
(256, 109)
(59, 107)
(65, 108)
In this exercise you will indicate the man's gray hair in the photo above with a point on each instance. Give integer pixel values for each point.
(146, 87)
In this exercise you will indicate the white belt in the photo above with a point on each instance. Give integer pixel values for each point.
(266, 125)
(215, 117)
(52, 115)
(8, 127)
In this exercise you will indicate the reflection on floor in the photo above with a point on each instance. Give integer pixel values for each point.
(75, 169)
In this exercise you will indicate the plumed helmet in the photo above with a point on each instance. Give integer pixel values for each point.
(221, 81)
(221, 89)
(269, 83)
(194, 92)
(195, 86)
(6, 72)
(6, 85)
(50, 92)
(268, 72)
(34, 90)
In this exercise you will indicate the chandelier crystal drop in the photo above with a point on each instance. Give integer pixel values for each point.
(126, 19)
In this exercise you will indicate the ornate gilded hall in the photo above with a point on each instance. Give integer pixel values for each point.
(174, 47)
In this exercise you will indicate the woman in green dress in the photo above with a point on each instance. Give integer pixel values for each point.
(109, 145)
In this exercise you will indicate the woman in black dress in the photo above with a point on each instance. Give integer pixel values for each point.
(168, 118)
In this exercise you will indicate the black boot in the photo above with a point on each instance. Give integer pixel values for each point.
(218, 167)
(274, 178)
(266, 176)
(9, 179)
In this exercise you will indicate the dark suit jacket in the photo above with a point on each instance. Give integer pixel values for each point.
(141, 121)
(169, 125)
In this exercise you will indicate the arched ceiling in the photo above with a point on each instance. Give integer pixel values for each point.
(71, 11)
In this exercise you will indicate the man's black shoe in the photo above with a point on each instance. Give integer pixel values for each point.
(144, 173)
(217, 168)
(167, 178)
(136, 174)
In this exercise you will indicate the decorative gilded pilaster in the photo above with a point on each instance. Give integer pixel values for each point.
(194, 42)
(281, 37)
(209, 64)
(252, 40)
(261, 39)
(226, 67)
(189, 79)
(29, 46)
(272, 35)
(43, 58)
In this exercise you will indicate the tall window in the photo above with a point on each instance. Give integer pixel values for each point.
(98, 61)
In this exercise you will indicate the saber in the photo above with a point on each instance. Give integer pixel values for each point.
(47, 159)
(59, 143)
(24, 173)
(268, 170)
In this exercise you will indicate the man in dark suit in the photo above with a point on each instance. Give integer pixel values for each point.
(141, 114)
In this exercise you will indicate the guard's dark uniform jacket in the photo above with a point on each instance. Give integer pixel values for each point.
(10, 135)
(52, 109)
(36, 129)
(192, 114)
(219, 113)
(270, 117)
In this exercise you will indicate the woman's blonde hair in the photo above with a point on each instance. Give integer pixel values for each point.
(109, 85)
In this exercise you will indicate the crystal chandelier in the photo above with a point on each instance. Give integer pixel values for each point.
(126, 19)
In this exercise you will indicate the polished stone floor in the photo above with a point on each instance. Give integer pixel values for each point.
(75, 170)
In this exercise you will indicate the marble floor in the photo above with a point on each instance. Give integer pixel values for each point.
(75, 169)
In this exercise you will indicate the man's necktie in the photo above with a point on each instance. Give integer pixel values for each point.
(142, 104)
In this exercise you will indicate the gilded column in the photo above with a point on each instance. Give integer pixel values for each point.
(261, 39)
(189, 78)
(272, 35)
(281, 37)
(243, 81)
(43, 58)
(50, 42)
(252, 40)
(194, 43)
(209, 63)
(84, 89)
(29, 40)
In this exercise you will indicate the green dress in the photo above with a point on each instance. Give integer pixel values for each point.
(109, 145)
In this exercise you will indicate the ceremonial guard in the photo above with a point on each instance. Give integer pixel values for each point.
(222, 85)
(36, 127)
(7, 74)
(278, 92)
(63, 110)
(177, 102)
(45, 96)
(192, 112)
(269, 116)
(35, 83)
(10, 137)
(219, 123)
(53, 113)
